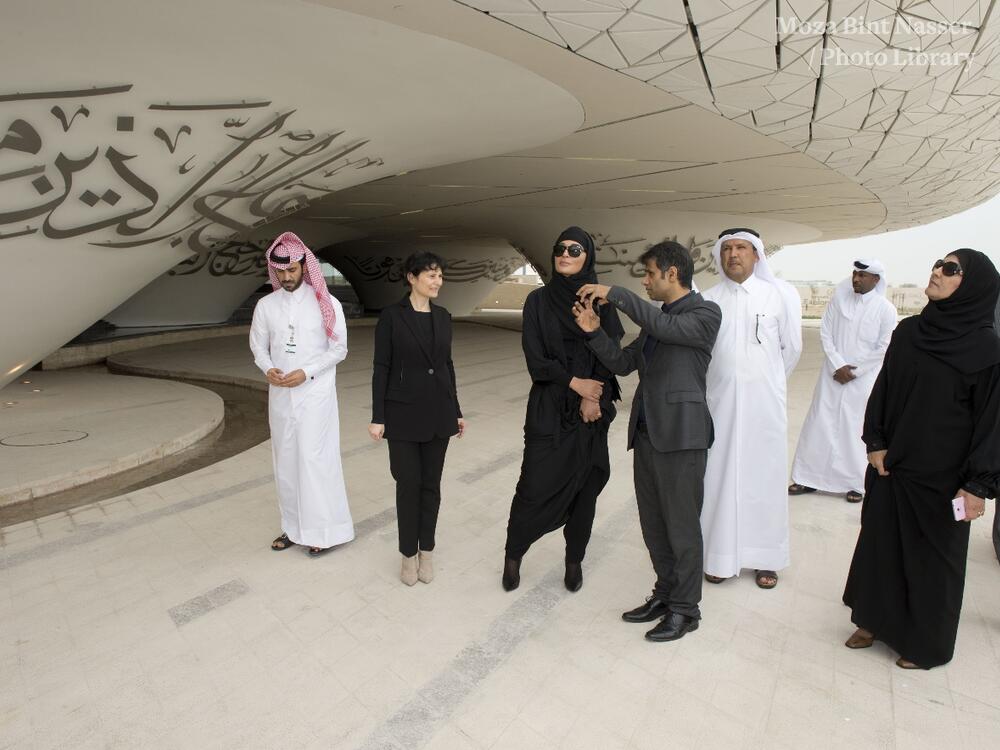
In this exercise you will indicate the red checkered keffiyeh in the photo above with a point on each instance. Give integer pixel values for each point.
(288, 245)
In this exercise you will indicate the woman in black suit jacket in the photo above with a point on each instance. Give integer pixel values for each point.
(415, 407)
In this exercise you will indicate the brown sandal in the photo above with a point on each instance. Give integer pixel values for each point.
(799, 489)
(282, 542)
(713, 579)
(906, 664)
(859, 640)
(761, 577)
(854, 497)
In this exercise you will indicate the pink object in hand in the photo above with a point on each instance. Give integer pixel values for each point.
(958, 506)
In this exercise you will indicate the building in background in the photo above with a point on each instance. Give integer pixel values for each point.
(908, 299)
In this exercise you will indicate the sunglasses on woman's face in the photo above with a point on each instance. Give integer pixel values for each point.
(575, 250)
(948, 267)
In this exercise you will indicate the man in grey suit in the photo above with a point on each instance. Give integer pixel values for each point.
(670, 428)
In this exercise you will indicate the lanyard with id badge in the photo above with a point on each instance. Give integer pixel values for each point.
(290, 343)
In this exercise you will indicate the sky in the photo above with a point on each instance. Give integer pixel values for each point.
(907, 254)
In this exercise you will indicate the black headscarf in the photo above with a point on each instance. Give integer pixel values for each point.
(959, 330)
(560, 296)
(560, 292)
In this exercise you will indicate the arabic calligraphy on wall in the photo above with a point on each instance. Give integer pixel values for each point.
(462, 271)
(232, 259)
(625, 253)
(90, 163)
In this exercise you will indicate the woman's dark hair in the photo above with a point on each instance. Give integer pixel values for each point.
(667, 254)
(421, 261)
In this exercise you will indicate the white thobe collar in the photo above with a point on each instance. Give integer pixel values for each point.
(297, 294)
(748, 286)
(858, 301)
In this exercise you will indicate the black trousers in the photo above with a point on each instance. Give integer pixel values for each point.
(524, 529)
(417, 469)
(670, 490)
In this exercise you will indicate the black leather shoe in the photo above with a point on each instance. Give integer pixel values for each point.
(574, 576)
(511, 574)
(672, 627)
(652, 609)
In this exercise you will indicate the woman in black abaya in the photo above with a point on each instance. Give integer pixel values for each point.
(932, 428)
(570, 408)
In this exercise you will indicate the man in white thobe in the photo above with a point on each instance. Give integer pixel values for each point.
(855, 332)
(298, 336)
(745, 516)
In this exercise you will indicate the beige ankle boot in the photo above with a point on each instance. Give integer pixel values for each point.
(408, 573)
(426, 572)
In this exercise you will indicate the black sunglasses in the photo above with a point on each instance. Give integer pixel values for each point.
(949, 267)
(575, 250)
(737, 230)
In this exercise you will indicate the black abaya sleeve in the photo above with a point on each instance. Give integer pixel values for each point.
(380, 366)
(874, 427)
(454, 383)
(541, 367)
(874, 430)
(602, 373)
(981, 472)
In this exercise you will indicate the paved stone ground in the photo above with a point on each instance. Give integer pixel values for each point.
(64, 429)
(161, 619)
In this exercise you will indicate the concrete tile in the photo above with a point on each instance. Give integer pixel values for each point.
(450, 738)
(17, 731)
(77, 730)
(518, 736)
(750, 706)
(550, 716)
(384, 693)
(341, 655)
(672, 714)
(862, 697)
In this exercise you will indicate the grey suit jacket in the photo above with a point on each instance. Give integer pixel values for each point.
(672, 384)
